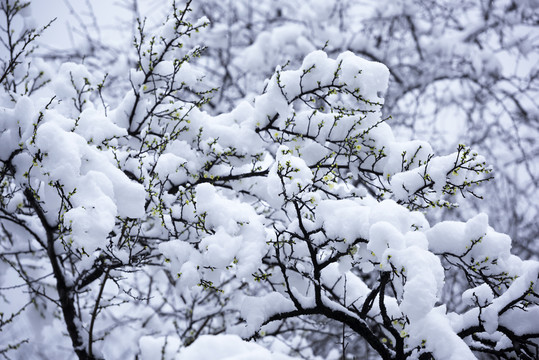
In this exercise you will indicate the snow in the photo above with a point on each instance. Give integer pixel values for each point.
(165, 348)
(480, 243)
(398, 216)
(182, 258)
(410, 152)
(355, 291)
(14, 122)
(256, 310)
(439, 337)
(221, 248)
(96, 128)
(370, 77)
(448, 236)
(288, 177)
(481, 295)
(384, 235)
(187, 74)
(527, 280)
(519, 320)
(91, 223)
(260, 54)
(53, 141)
(168, 166)
(424, 279)
(220, 211)
(122, 335)
(100, 191)
(344, 219)
(227, 347)
(235, 242)
(72, 85)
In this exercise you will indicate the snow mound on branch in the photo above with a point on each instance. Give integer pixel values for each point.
(289, 176)
(234, 241)
(99, 190)
(227, 347)
(438, 337)
(332, 214)
(256, 310)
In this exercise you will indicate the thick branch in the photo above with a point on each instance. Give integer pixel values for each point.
(65, 292)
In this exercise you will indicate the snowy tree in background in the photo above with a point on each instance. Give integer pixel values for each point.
(144, 216)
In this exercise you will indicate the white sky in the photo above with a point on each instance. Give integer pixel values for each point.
(109, 14)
